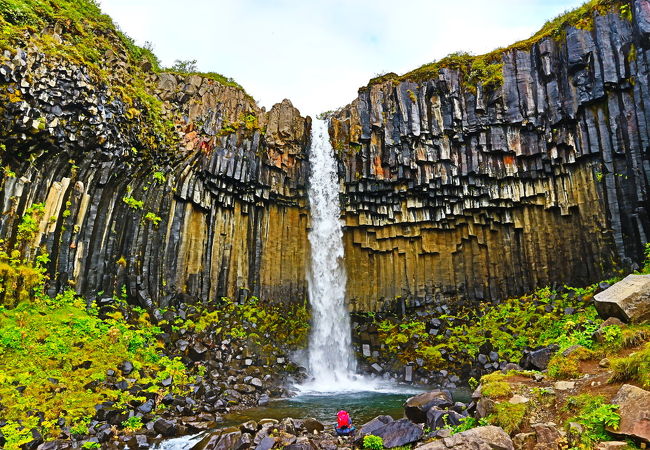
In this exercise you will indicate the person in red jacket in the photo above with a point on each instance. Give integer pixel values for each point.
(344, 425)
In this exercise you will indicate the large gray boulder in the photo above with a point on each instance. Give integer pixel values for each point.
(399, 433)
(416, 408)
(634, 408)
(370, 427)
(481, 438)
(627, 300)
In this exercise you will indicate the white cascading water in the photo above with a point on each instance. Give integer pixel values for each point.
(331, 361)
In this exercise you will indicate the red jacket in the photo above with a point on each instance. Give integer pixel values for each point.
(343, 419)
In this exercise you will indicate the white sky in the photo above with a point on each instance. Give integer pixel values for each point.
(318, 53)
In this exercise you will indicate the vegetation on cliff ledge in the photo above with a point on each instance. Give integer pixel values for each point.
(487, 69)
(77, 32)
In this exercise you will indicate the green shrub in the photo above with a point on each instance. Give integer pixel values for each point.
(133, 203)
(594, 414)
(496, 389)
(373, 442)
(133, 423)
(153, 218)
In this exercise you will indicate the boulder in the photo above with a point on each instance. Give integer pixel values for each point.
(266, 444)
(538, 359)
(627, 300)
(524, 441)
(547, 435)
(165, 427)
(221, 441)
(311, 425)
(399, 432)
(370, 427)
(483, 438)
(416, 407)
(440, 418)
(634, 408)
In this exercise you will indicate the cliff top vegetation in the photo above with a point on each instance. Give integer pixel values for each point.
(487, 69)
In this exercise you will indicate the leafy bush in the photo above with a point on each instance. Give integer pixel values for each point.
(594, 414)
(133, 423)
(373, 442)
(467, 423)
(153, 218)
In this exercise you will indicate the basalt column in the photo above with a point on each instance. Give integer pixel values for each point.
(459, 194)
(220, 210)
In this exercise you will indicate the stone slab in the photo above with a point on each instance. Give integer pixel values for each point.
(627, 300)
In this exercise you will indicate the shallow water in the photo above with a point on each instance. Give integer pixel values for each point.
(362, 406)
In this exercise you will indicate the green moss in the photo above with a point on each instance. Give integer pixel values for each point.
(247, 123)
(563, 367)
(43, 343)
(496, 389)
(508, 416)
(634, 367)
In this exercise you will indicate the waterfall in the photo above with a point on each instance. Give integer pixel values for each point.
(331, 360)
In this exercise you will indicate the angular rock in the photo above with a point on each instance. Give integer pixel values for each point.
(398, 433)
(627, 300)
(483, 438)
(440, 418)
(416, 407)
(547, 435)
(310, 425)
(634, 409)
(167, 428)
(538, 359)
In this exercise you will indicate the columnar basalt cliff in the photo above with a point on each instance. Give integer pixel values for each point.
(460, 192)
(214, 205)
(460, 181)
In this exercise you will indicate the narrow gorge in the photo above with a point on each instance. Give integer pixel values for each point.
(172, 253)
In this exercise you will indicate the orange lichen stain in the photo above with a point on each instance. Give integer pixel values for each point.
(509, 160)
(379, 170)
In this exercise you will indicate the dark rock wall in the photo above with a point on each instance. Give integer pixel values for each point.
(223, 209)
(454, 195)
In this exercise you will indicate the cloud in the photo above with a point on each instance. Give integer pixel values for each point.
(318, 53)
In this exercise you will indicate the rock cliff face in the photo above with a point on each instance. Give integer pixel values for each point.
(452, 193)
(180, 187)
(218, 209)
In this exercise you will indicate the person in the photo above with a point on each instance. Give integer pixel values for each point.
(344, 425)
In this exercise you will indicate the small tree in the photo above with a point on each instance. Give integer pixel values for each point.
(184, 66)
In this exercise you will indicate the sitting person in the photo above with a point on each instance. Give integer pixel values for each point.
(344, 425)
